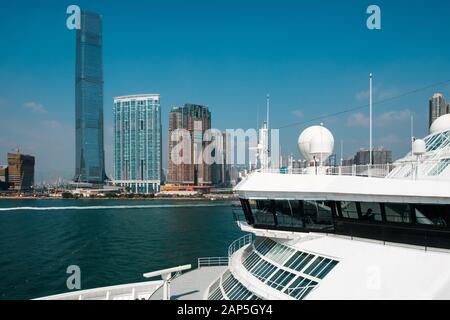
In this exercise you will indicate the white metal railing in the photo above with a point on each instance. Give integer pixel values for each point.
(130, 291)
(239, 243)
(376, 170)
(212, 262)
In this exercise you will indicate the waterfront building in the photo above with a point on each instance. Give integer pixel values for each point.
(138, 143)
(3, 177)
(221, 170)
(196, 119)
(379, 156)
(437, 107)
(89, 146)
(362, 157)
(20, 171)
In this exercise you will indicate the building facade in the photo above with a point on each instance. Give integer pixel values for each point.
(4, 177)
(89, 152)
(221, 171)
(437, 107)
(138, 143)
(380, 156)
(196, 119)
(20, 171)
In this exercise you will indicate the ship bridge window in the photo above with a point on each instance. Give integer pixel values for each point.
(436, 215)
(371, 211)
(314, 215)
(398, 212)
(349, 210)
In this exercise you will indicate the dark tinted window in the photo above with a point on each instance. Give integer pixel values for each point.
(398, 212)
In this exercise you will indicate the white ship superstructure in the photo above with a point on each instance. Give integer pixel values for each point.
(359, 232)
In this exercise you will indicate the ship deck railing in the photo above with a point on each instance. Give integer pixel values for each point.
(374, 171)
(212, 262)
(239, 243)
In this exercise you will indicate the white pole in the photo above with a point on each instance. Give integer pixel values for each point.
(268, 107)
(370, 117)
(266, 151)
(412, 128)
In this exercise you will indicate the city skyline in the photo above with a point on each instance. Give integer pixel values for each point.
(229, 67)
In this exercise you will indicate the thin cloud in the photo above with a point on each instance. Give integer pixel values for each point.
(391, 139)
(35, 107)
(298, 113)
(378, 94)
(52, 124)
(360, 119)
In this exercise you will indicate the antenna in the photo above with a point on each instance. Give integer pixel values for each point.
(342, 151)
(257, 118)
(268, 110)
(370, 117)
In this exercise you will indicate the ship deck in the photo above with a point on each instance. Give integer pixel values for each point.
(191, 285)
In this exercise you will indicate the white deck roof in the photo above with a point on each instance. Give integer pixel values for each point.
(342, 188)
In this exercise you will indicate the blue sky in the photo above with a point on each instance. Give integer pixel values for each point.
(313, 59)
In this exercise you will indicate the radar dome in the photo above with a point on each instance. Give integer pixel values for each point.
(419, 147)
(440, 124)
(316, 141)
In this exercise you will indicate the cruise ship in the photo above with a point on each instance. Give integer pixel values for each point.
(326, 233)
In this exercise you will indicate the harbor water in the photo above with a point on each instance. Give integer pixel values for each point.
(111, 241)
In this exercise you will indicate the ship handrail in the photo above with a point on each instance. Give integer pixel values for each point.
(365, 170)
(239, 243)
(212, 262)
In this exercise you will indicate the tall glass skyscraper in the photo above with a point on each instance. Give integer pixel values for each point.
(138, 142)
(89, 153)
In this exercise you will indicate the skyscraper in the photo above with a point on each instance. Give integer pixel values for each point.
(196, 119)
(20, 171)
(137, 142)
(89, 149)
(221, 172)
(438, 107)
(4, 177)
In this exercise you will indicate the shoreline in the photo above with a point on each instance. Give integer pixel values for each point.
(232, 198)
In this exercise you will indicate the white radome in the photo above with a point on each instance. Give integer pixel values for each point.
(441, 124)
(316, 141)
(419, 147)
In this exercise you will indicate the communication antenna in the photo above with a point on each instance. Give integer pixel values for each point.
(257, 118)
(268, 110)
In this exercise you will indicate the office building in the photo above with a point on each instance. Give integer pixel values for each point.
(380, 156)
(221, 169)
(437, 107)
(20, 171)
(3, 178)
(196, 119)
(137, 143)
(89, 149)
